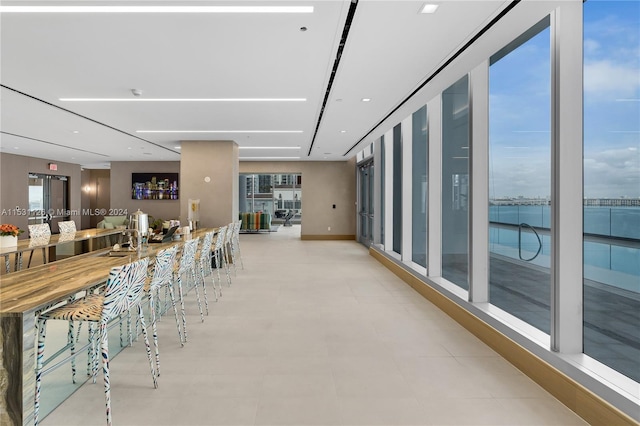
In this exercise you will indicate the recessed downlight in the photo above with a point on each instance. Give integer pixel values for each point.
(366, 99)
(343, 131)
(177, 147)
(429, 8)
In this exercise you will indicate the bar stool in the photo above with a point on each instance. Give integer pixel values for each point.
(219, 255)
(203, 259)
(67, 227)
(228, 241)
(186, 266)
(123, 292)
(236, 242)
(162, 277)
(40, 231)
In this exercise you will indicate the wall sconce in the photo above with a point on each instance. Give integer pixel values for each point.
(87, 188)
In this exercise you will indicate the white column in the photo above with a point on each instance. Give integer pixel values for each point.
(407, 187)
(567, 189)
(377, 190)
(434, 124)
(479, 193)
(388, 190)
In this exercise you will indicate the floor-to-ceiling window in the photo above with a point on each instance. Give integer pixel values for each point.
(455, 183)
(520, 177)
(612, 184)
(397, 189)
(419, 187)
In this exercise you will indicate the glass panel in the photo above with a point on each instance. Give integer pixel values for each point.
(363, 202)
(397, 189)
(520, 177)
(612, 184)
(382, 197)
(455, 183)
(419, 187)
(36, 200)
(371, 203)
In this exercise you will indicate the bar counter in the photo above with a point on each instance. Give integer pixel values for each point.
(89, 235)
(23, 295)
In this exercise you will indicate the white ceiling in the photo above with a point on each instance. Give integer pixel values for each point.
(390, 50)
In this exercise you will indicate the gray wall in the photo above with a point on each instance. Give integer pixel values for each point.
(14, 186)
(121, 188)
(324, 183)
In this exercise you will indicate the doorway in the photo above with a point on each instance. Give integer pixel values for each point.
(48, 200)
(365, 203)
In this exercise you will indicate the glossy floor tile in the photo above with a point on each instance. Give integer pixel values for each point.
(315, 333)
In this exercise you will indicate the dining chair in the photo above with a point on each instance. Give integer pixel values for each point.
(123, 292)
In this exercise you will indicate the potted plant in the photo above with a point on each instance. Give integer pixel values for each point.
(9, 235)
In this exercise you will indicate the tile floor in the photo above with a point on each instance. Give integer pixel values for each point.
(316, 333)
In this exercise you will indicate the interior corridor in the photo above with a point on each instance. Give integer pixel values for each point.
(315, 333)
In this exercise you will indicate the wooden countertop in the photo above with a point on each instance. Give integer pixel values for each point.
(54, 240)
(37, 287)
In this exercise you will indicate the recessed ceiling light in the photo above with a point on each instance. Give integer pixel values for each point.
(177, 147)
(268, 147)
(219, 131)
(343, 131)
(15, 147)
(156, 9)
(183, 99)
(429, 8)
(128, 147)
(76, 131)
(366, 100)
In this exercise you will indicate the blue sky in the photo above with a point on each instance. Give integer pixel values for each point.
(519, 108)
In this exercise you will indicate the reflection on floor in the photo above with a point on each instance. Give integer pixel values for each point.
(611, 315)
(316, 333)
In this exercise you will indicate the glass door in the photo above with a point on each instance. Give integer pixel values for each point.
(365, 202)
(48, 200)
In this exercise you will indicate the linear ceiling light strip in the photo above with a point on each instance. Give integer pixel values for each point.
(53, 143)
(336, 63)
(440, 69)
(87, 118)
(156, 9)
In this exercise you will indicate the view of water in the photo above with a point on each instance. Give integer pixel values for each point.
(612, 262)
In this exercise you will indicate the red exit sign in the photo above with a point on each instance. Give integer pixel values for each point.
(53, 166)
